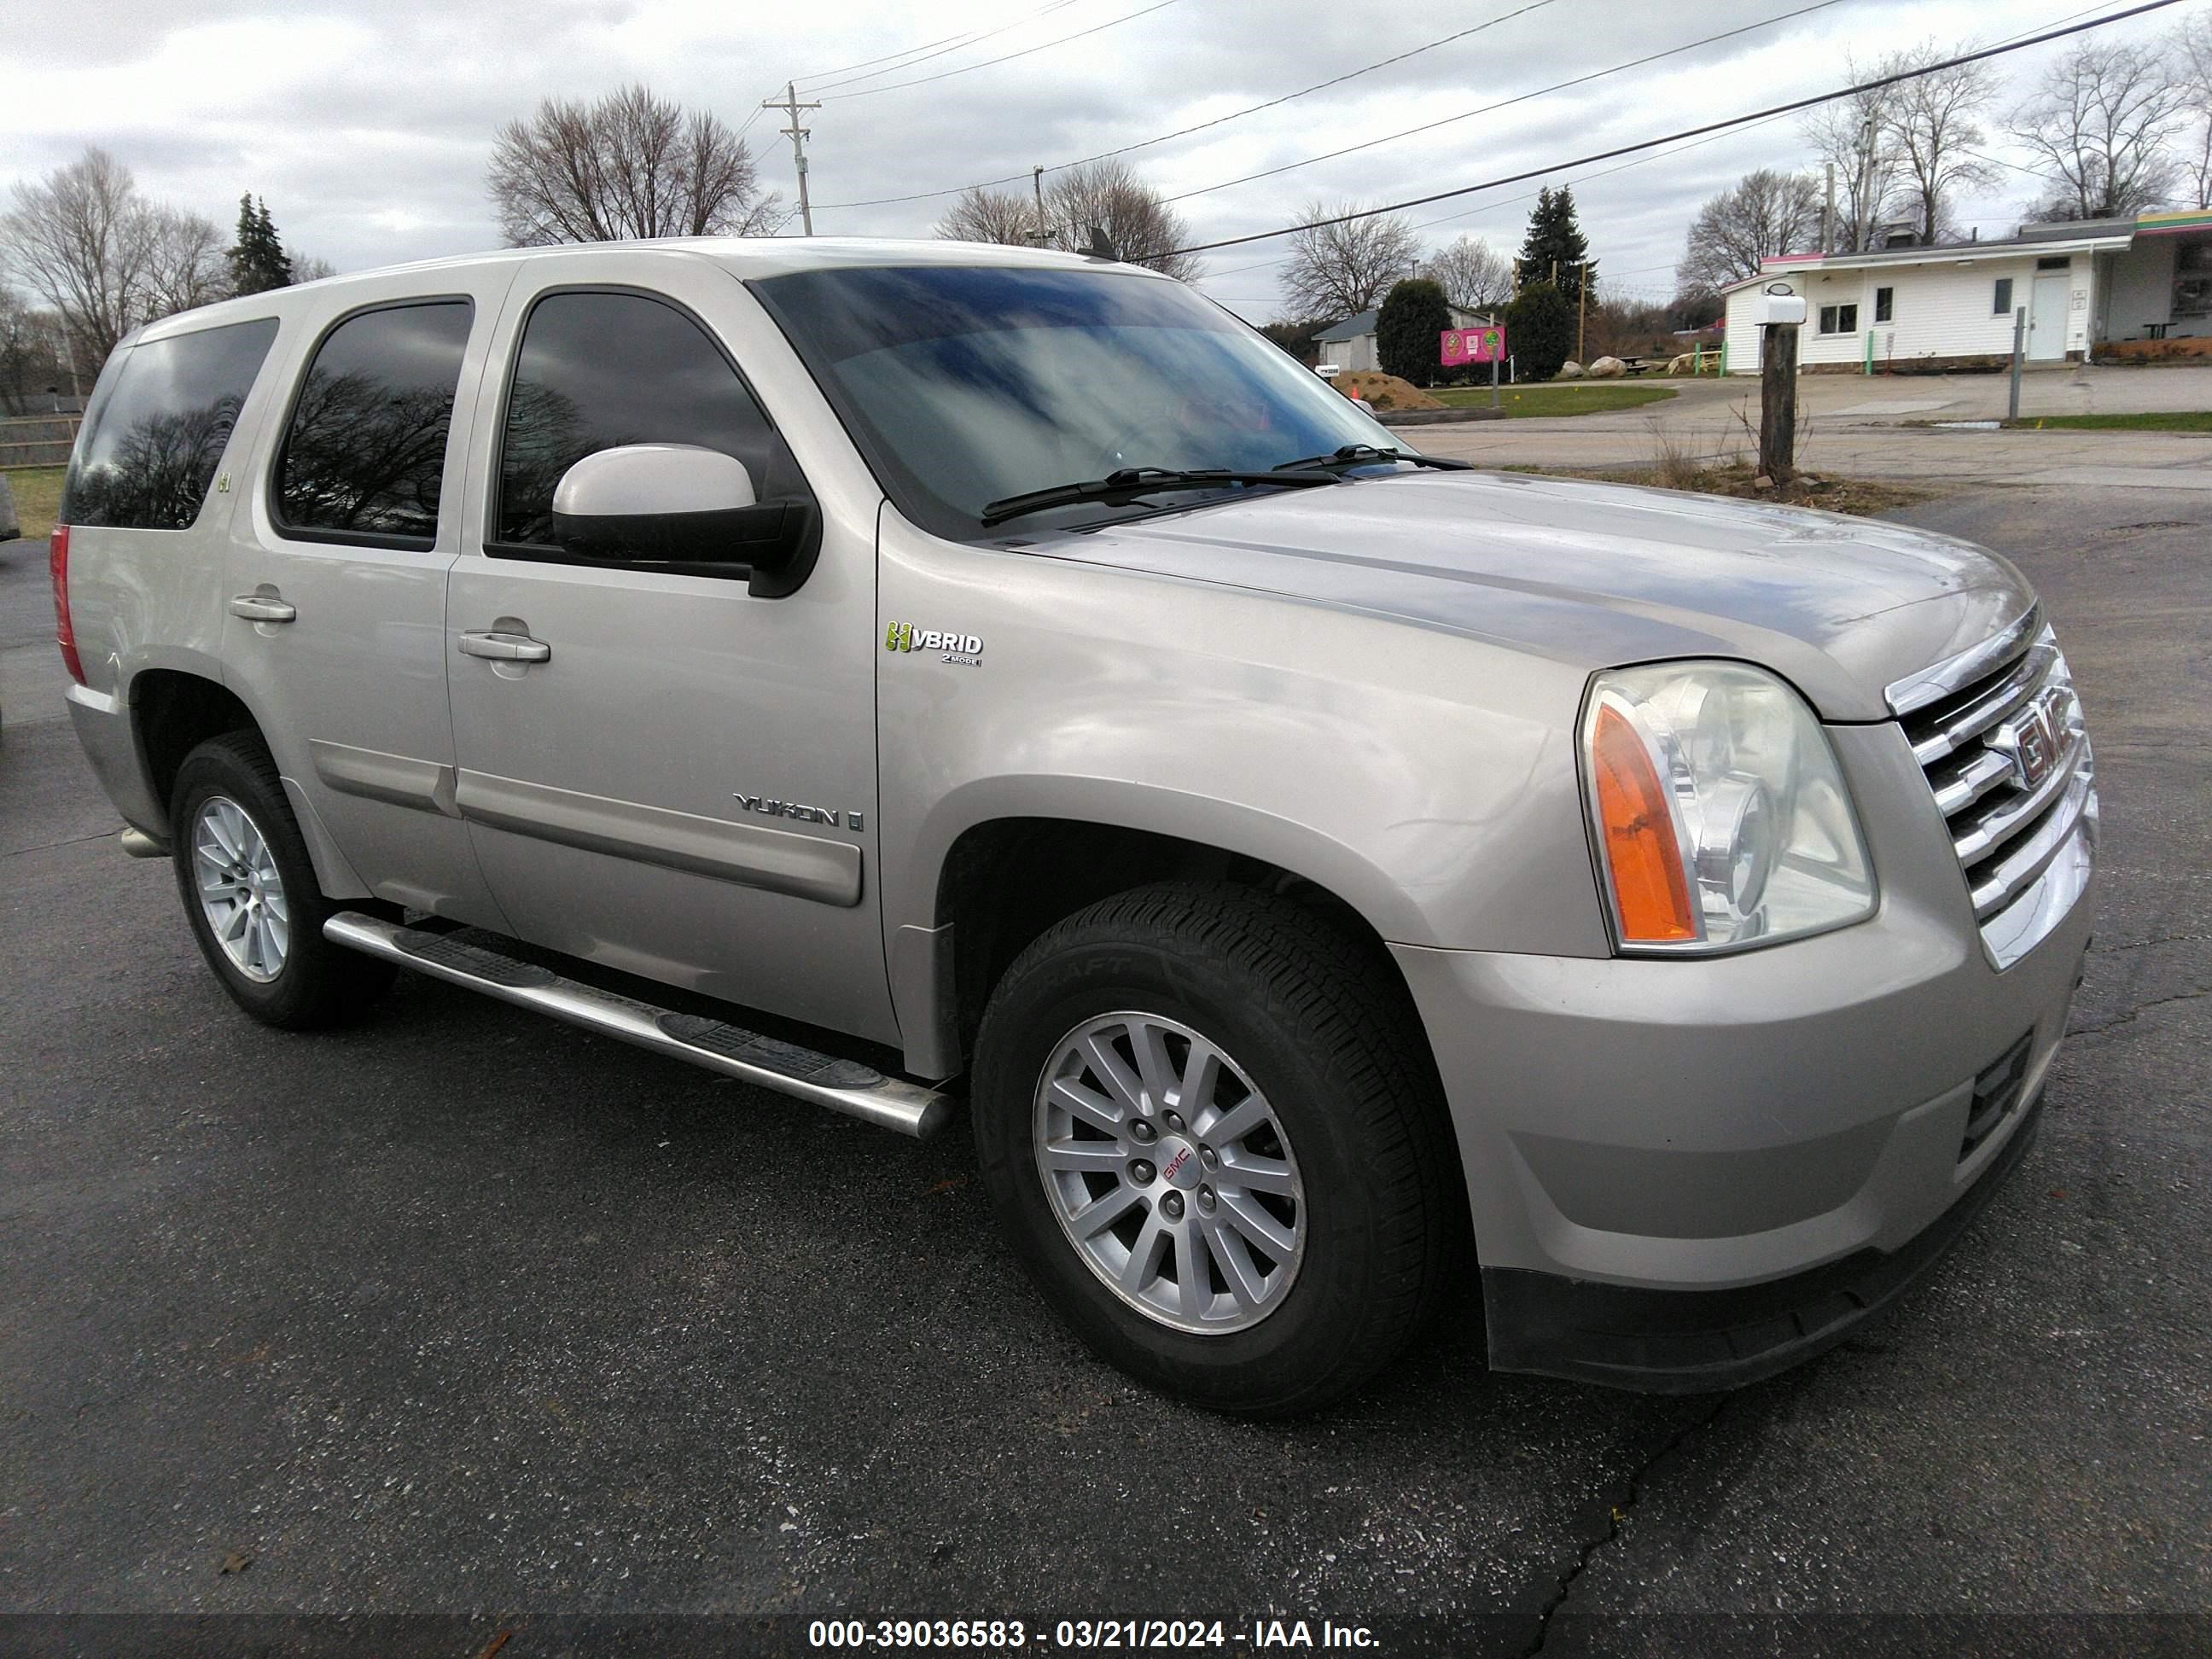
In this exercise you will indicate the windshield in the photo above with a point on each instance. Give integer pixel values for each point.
(967, 385)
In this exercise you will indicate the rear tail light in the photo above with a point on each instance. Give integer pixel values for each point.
(64, 634)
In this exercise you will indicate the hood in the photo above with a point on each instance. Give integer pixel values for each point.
(1600, 575)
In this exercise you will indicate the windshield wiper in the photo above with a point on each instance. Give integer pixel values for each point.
(1364, 454)
(1133, 481)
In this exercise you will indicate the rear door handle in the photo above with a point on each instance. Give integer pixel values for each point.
(505, 648)
(264, 606)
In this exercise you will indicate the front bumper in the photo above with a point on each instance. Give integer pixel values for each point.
(1689, 1174)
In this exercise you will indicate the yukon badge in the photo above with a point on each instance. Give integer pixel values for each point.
(768, 807)
(966, 649)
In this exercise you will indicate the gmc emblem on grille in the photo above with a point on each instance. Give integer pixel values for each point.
(2031, 743)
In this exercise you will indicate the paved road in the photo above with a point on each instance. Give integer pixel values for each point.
(471, 1313)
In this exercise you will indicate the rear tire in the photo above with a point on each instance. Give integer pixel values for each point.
(1324, 1097)
(250, 894)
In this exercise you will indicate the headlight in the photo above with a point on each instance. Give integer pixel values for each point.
(1720, 817)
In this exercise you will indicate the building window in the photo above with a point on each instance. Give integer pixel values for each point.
(2058, 262)
(1883, 303)
(1839, 320)
(2001, 305)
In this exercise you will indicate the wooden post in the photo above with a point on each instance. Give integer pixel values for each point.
(1582, 316)
(2019, 336)
(1494, 382)
(1778, 402)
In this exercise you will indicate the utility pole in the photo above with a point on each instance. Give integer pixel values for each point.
(789, 105)
(1828, 214)
(1042, 235)
(1862, 219)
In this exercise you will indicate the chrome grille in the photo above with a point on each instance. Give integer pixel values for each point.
(2008, 758)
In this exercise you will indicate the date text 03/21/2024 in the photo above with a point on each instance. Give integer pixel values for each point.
(1106, 1634)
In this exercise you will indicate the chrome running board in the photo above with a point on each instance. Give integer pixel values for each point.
(842, 1085)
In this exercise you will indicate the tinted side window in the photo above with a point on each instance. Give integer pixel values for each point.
(364, 452)
(153, 440)
(597, 370)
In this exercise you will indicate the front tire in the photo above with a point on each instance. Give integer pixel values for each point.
(1212, 1129)
(250, 894)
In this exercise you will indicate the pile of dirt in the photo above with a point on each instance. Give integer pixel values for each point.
(1385, 391)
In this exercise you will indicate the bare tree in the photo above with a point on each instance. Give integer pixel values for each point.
(628, 165)
(2101, 120)
(1765, 213)
(2193, 49)
(30, 355)
(78, 241)
(1340, 271)
(1110, 196)
(311, 268)
(1933, 122)
(1473, 275)
(992, 215)
(185, 265)
(1857, 136)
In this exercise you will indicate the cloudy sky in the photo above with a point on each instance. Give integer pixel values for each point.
(366, 123)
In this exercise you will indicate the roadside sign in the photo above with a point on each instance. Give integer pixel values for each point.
(1474, 345)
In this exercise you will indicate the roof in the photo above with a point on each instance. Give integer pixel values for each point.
(746, 256)
(1351, 328)
(2083, 236)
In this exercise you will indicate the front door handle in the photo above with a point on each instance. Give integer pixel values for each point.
(505, 648)
(263, 605)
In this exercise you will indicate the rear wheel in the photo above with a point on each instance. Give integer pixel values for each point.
(250, 894)
(1217, 1142)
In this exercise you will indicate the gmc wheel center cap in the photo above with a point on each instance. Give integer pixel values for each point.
(1178, 1162)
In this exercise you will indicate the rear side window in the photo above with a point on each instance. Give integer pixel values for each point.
(365, 450)
(598, 369)
(152, 441)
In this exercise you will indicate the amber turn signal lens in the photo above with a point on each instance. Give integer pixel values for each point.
(1649, 892)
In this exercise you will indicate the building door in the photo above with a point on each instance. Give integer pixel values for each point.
(2046, 318)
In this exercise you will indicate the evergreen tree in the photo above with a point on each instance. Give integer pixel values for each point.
(1414, 315)
(1540, 330)
(1555, 242)
(257, 262)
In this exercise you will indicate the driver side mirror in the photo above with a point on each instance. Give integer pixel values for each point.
(679, 504)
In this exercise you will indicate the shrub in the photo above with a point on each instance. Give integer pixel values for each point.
(1414, 313)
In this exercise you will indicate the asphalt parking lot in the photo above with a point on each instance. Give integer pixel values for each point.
(465, 1313)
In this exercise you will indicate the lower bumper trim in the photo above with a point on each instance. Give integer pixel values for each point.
(1661, 1341)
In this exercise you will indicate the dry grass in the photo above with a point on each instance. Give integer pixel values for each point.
(38, 491)
(1861, 497)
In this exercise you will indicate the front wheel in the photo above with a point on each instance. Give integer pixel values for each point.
(251, 897)
(1217, 1139)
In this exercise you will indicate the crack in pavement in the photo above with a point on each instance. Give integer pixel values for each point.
(2143, 943)
(2134, 1013)
(1617, 1511)
(74, 840)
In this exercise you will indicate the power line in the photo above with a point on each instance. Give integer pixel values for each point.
(968, 68)
(1768, 114)
(1505, 103)
(2019, 36)
(1218, 121)
(946, 43)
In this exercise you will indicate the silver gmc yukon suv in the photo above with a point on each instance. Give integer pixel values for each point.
(1337, 874)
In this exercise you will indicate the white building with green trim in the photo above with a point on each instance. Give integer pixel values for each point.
(2095, 290)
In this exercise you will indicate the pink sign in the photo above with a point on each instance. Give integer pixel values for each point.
(1474, 345)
